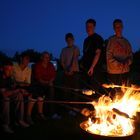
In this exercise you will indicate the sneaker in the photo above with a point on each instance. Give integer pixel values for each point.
(41, 116)
(7, 129)
(23, 123)
(29, 120)
(56, 116)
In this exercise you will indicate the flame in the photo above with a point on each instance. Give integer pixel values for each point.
(108, 122)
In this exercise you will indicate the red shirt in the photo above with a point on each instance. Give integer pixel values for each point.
(46, 74)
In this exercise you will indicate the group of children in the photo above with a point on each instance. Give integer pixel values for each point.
(18, 82)
(16, 87)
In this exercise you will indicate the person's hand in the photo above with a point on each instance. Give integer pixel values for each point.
(44, 83)
(90, 71)
(24, 85)
(19, 90)
(50, 83)
(128, 62)
(81, 66)
(23, 92)
(68, 73)
(7, 93)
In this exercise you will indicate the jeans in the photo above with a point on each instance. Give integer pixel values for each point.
(17, 99)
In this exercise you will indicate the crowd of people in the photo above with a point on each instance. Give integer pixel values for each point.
(20, 83)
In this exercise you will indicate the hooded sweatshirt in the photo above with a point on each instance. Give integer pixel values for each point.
(119, 55)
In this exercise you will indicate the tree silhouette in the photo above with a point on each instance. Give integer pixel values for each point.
(34, 55)
(16, 56)
(4, 58)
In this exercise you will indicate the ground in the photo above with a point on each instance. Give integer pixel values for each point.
(68, 127)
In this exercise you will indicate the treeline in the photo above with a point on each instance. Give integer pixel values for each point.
(35, 56)
(136, 61)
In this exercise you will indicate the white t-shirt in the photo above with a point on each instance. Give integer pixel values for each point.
(69, 57)
(23, 76)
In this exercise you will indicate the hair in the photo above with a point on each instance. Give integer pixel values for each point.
(69, 35)
(22, 55)
(25, 55)
(43, 53)
(117, 21)
(7, 63)
(91, 21)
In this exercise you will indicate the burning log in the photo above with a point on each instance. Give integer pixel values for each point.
(86, 112)
(121, 113)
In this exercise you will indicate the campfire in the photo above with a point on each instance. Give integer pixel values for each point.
(114, 117)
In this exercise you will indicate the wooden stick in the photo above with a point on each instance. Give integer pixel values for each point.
(118, 86)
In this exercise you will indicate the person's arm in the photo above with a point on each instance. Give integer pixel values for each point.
(130, 55)
(94, 62)
(76, 55)
(28, 78)
(62, 62)
(111, 60)
(52, 74)
(62, 59)
(5, 93)
(43, 82)
(21, 84)
(38, 75)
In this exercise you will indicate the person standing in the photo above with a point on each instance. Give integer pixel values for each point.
(119, 55)
(90, 62)
(69, 58)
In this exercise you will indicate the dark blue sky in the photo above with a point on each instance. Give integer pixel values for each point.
(42, 24)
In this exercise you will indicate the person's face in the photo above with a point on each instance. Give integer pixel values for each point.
(118, 27)
(25, 60)
(46, 58)
(70, 41)
(90, 28)
(8, 71)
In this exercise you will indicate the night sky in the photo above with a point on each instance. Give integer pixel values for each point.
(42, 24)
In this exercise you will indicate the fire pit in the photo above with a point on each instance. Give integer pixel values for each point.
(92, 136)
(114, 119)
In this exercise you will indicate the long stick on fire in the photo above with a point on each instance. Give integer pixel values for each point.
(73, 91)
(61, 102)
(118, 86)
(88, 85)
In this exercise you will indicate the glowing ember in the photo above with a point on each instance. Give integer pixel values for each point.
(115, 117)
(88, 92)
